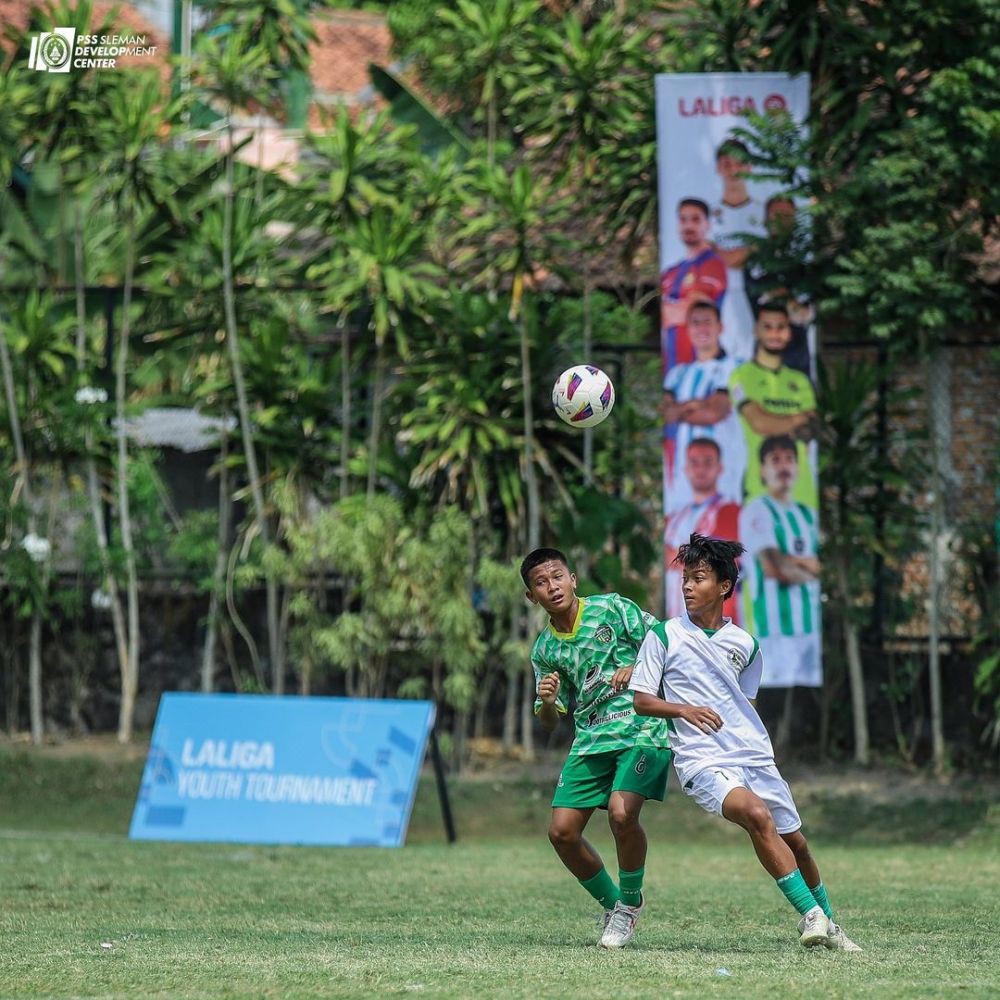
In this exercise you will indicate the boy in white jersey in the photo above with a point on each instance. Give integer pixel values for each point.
(617, 760)
(781, 540)
(703, 671)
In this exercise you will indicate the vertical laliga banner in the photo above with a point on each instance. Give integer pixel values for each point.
(738, 346)
(265, 770)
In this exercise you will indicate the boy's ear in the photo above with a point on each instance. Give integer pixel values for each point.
(527, 594)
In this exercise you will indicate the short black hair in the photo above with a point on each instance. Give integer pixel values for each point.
(772, 306)
(536, 558)
(778, 442)
(703, 443)
(694, 203)
(730, 146)
(775, 198)
(720, 555)
(705, 304)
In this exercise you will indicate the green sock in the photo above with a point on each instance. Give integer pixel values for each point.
(793, 885)
(631, 886)
(819, 894)
(602, 887)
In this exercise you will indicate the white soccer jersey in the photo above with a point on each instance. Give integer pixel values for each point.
(728, 223)
(680, 663)
(779, 608)
(698, 380)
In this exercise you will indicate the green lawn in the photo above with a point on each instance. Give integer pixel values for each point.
(88, 913)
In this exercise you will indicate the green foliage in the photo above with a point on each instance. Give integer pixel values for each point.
(408, 600)
(895, 88)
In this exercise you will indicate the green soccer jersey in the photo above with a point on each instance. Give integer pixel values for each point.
(607, 634)
(784, 393)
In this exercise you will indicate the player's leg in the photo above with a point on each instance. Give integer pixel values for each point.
(641, 774)
(836, 938)
(630, 843)
(584, 784)
(772, 789)
(726, 791)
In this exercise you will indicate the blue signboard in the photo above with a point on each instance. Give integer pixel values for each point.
(266, 770)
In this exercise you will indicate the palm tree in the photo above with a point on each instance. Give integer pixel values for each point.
(597, 111)
(381, 261)
(236, 71)
(137, 117)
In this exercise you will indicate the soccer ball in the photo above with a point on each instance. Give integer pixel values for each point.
(583, 396)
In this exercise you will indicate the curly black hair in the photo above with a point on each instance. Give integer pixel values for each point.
(719, 554)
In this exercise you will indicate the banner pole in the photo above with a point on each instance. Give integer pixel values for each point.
(442, 788)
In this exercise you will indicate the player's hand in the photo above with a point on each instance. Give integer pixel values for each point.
(548, 688)
(621, 678)
(704, 718)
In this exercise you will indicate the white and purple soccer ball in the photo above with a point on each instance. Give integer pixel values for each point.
(583, 396)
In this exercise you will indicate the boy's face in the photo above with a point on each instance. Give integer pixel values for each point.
(773, 331)
(552, 586)
(703, 591)
(704, 328)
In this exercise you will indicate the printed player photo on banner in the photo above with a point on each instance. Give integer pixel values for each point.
(738, 348)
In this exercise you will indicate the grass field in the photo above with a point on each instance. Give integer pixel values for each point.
(86, 913)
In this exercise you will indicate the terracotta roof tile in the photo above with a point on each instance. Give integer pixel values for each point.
(346, 42)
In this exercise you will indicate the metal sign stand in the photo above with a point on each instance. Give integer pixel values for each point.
(442, 788)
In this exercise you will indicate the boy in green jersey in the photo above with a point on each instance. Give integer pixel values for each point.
(773, 399)
(617, 760)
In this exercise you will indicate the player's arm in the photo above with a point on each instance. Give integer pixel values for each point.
(671, 409)
(734, 258)
(766, 423)
(548, 711)
(785, 568)
(705, 719)
(808, 428)
(705, 412)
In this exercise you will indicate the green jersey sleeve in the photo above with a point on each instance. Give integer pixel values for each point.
(636, 621)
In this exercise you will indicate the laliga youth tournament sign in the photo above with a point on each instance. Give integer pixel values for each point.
(738, 344)
(268, 770)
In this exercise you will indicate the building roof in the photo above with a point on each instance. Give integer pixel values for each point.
(346, 42)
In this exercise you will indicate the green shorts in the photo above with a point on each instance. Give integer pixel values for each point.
(587, 781)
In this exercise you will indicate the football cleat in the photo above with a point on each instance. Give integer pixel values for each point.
(814, 928)
(621, 925)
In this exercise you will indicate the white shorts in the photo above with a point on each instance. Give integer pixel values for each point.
(710, 787)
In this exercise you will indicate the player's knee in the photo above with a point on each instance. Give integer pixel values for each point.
(621, 818)
(798, 844)
(757, 819)
(562, 836)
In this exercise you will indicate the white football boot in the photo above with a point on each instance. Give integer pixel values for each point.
(814, 928)
(621, 925)
(838, 940)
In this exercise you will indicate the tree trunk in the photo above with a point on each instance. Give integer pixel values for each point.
(345, 409)
(528, 718)
(243, 408)
(459, 740)
(939, 415)
(218, 571)
(530, 472)
(510, 713)
(35, 676)
(109, 580)
(855, 668)
(34, 651)
(130, 677)
(376, 427)
(784, 731)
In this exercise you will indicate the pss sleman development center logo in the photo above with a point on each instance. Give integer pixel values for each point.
(60, 50)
